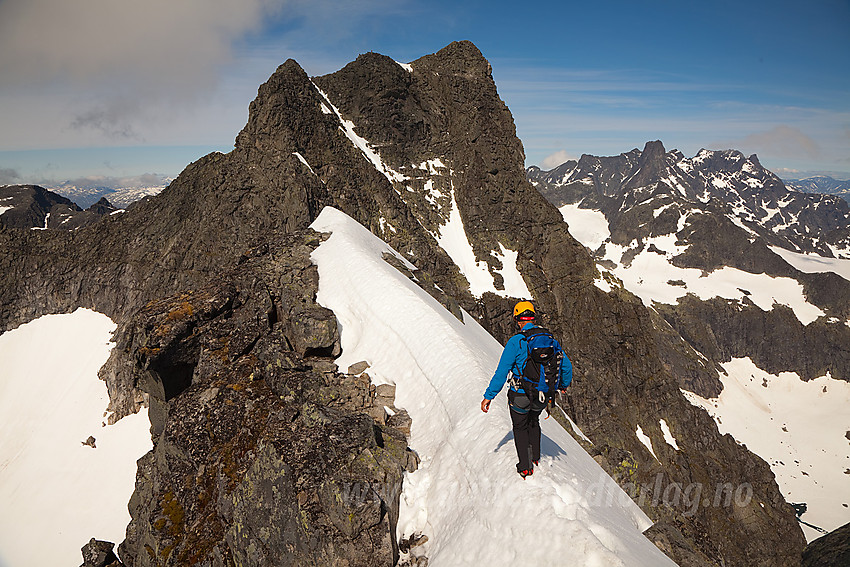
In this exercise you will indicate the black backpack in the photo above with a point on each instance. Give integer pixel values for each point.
(542, 373)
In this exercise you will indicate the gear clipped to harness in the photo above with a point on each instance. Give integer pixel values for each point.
(541, 375)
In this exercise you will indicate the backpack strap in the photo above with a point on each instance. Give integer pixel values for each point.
(528, 333)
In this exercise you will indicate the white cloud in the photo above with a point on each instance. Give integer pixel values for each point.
(177, 43)
(9, 175)
(92, 72)
(780, 141)
(95, 73)
(554, 160)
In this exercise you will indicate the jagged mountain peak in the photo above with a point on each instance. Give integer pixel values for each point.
(459, 57)
(754, 198)
(654, 148)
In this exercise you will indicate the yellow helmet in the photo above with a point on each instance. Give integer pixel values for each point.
(524, 310)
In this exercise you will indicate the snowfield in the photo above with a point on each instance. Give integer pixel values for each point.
(781, 419)
(652, 277)
(812, 263)
(588, 226)
(56, 492)
(466, 496)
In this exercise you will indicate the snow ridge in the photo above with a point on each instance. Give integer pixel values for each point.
(465, 494)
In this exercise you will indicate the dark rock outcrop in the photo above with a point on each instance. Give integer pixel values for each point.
(830, 550)
(99, 554)
(262, 450)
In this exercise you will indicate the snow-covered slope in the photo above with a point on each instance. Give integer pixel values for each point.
(56, 492)
(781, 418)
(466, 496)
(651, 275)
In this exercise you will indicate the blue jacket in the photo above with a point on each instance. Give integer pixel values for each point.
(513, 360)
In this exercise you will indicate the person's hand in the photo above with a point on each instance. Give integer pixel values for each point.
(485, 405)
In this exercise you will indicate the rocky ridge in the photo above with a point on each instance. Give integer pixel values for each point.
(263, 450)
(205, 308)
(31, 206)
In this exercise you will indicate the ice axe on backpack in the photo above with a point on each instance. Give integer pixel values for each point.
(551, 403)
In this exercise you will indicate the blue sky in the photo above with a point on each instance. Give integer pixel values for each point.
(118, 88)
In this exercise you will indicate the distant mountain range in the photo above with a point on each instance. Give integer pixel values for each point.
(119, 191)
(727, 182)
(821, 184)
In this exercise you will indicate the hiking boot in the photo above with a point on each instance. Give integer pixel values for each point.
(526, 473)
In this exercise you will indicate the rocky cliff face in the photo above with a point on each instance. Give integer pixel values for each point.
(257, 437)
(264, 451)
(831, 549)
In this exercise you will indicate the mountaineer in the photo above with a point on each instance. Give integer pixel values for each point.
(539, 368)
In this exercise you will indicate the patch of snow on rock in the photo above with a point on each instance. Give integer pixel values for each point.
(668, 436)
(644, 438)
(588, 226)
(347, 126)
(452, 238)
(304, 161)
(514, 284)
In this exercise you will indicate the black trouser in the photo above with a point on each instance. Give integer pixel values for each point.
(526, 430)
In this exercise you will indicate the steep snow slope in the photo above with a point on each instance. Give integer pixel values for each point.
(780, 418)
(466, 496)
(56, 492)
